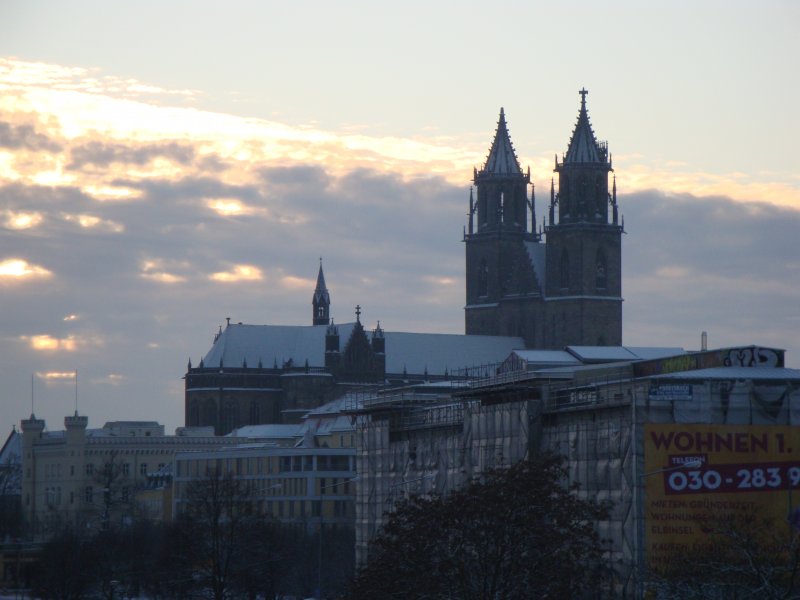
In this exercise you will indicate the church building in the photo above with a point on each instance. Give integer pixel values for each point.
(556, 287)
(559, 286)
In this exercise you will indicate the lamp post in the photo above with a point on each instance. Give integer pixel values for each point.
(319, 549)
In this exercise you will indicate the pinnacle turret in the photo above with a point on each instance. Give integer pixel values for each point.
(321, 300)
(583, 145)
(502, 160)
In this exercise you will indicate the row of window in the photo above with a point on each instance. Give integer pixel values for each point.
(260, 465)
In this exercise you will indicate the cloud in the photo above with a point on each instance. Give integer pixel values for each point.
(48, 343)
(18, 269)
(238, 273)
(102, 154)
(57, 376)
(22, 220)
(25, 137)
(230, 207)
(156, 270)
(88, 221)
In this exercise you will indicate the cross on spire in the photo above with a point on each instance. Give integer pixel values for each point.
(583, 93)
(358, 313)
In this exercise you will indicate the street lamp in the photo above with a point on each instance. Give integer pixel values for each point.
(319, 550)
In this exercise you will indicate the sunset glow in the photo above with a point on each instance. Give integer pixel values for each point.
(17, 268)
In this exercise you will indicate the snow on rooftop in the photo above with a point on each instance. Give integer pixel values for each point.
(413, 352)
(272, 431)
(620, 353)
(753, 373)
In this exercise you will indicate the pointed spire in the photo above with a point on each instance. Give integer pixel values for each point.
(502, 159)
(583, 145)
(321, 302)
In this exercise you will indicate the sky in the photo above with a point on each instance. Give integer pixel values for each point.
(165, 165)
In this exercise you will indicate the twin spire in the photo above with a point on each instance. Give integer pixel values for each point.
(583, 145)
(502, 159)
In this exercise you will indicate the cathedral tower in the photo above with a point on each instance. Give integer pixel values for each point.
(498, 267)
(584, 264)
(321, 302)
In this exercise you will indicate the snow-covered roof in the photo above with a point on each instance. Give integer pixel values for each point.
(264, 432)
(546, 357)
(413, 352)
(754, 373)
(502, 160)
(11, 452)
(596, 354)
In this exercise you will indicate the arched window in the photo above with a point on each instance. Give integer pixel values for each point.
(483, 278)
(564, 270)
(601, 199)
(601, 277)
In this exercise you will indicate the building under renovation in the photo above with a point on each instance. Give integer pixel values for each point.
(612, 412)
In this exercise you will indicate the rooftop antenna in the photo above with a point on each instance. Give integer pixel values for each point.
(704, 341)
(32, 394)
(76, 392)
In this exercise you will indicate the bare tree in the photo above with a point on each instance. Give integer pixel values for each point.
(10, 497)
(227, 544)
(513, 533)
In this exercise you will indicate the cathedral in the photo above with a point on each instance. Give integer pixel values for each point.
(552, 288)
(559, 286)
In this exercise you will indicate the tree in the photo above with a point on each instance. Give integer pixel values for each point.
(746, 556)
(66, 566)
(10, 497)
(513, 533)
(227, 545)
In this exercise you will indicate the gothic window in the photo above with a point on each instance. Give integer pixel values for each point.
(564, 270)
(583, 194)
(483, 279)
(599, 198)
(601, 278)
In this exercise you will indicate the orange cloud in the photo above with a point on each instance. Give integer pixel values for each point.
(17, 268)
(238, 273)
(22, 220)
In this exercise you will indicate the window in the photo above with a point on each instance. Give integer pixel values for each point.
(89, 497)
(89, 469)
(125, 493)
(564, 270)
(483, 278)
(600, 278)
(72, 470)
(126, 468)
(143, 469)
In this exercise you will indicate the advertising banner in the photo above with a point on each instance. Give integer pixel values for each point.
(696, 475)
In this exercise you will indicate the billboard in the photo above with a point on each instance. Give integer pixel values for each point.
(697, 474)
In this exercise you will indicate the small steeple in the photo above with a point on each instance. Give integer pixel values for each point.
(583, 145)
(321, 301)
(502, 160)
